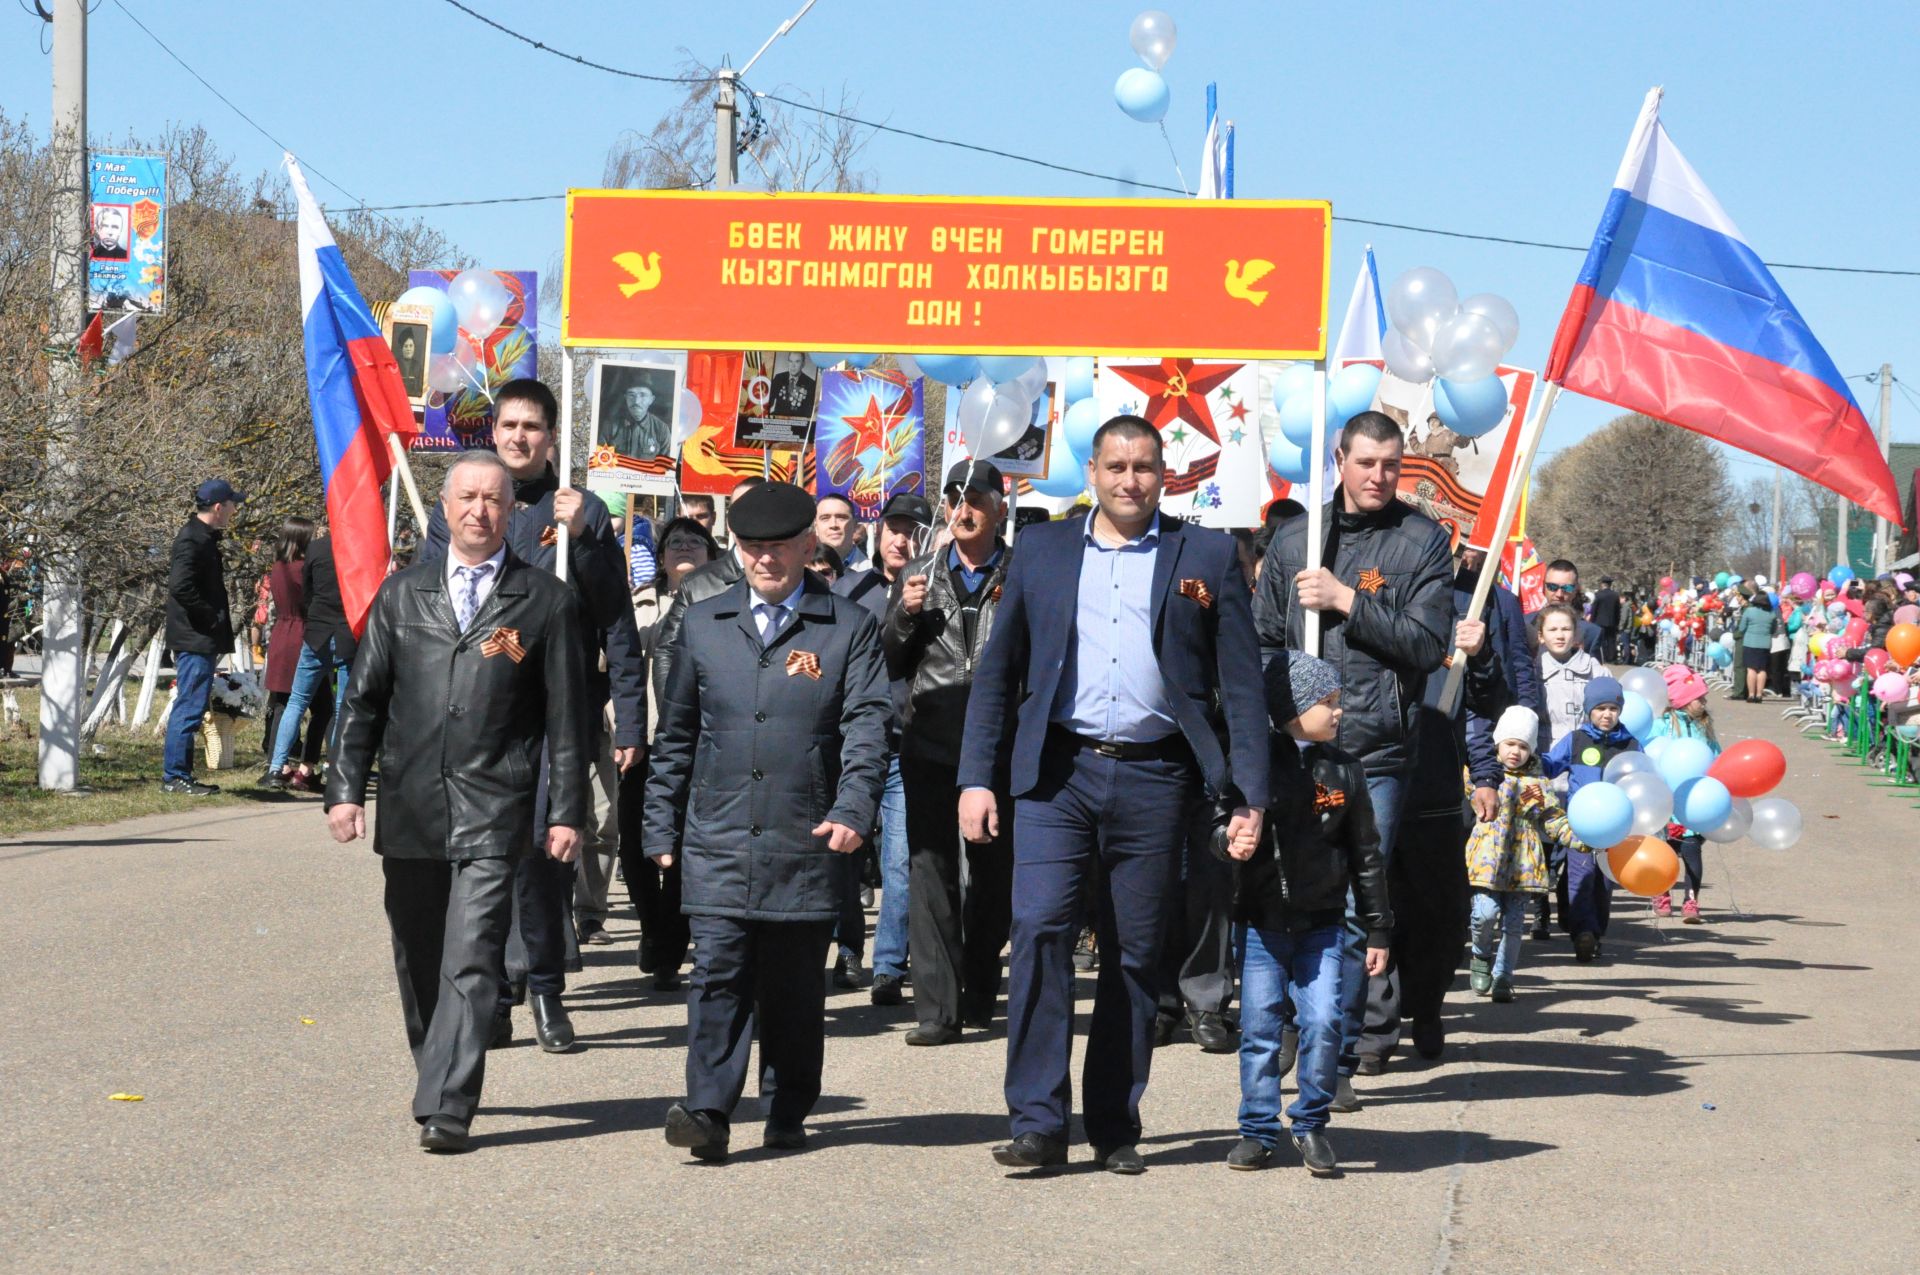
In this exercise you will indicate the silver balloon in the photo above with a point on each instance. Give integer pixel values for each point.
(1625, 764)
(1500, 312)
(1152, 37)
(972, 414)
(1605, 865)
(1419, 303)
(1776, 823)
(1006, 420)
(1404, 359)
(908, 365)
(1031, 383)
(1467, 348)
(1736, 825)
(1652, 801)
(1650, 686)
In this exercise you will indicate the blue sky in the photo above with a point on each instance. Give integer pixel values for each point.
(1501, 119)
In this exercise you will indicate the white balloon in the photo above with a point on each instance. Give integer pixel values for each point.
(691, 415)
(1006, 420)
(1419, 302)
(1625, 764)
(1031, 383)
(908, 365)
(1776, 823)
(1467, 348)
(1737, 823)
(479, 300)
(1404, 359)
(972, 414)
(1650, 686)
(1652, 801)
(1152, 36)
(1500, 312)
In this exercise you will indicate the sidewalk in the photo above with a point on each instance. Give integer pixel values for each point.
(1738, 1096)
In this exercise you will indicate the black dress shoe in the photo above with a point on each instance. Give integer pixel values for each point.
(649, 960)
(932, 1034)
(1164, 1026)
(887, 989)
(1289, 1049)
(516, 991)
(1316, 1153)
(1429, 1037)
(502, 1034)
(1032, 1151)
(1211, 1033)
(1123, 1160)
(1249, 1154)
(696, 1131)
(784, 1137)
(847, 974)
(667, 981)
(1370, 1064)
(444, 1134)
(551, 1026)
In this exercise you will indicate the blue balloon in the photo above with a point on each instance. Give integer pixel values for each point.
(825, 359)
(446, 324)
(1352, 389)
(1078, 426)
(1702, 804)
(1066, 473)
(1601, 815)
(1001, 368)
(1470, 408)
(1841, 574)
(1684, 759)
(1287, 460)
(1657, 748)
(1142, 94)
(1719, 656)
(1079, 379)
(860, 361)
(1296, 419)
(949, 369)
(1296, 379)
(1636, 715)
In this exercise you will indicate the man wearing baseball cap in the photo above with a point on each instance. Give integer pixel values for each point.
(199, 628)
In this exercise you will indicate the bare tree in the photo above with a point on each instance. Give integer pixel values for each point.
(1636, 499)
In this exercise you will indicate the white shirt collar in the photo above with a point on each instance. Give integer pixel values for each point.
(782, 603)
(498, 560)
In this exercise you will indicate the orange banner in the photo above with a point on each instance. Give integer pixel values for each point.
(1233, 278)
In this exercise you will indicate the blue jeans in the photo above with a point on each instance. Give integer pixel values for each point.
(1385, 793)
(1276, 967)
(192, 687)
(890, 931)
(1499, 920)
(307, 676)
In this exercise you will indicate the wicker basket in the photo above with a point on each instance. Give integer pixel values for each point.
(222, 735)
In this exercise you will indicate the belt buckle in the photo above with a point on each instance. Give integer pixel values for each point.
(1107, 748)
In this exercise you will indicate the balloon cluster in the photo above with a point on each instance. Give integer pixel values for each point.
(1142, 91)
(1678, 780)
(1349, 392)
(469, 319)
(1435, 336)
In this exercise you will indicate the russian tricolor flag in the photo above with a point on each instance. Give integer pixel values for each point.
(1674, 315)
(358, 399)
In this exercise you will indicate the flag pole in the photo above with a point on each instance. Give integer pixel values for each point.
(405, 471)
(566, 451)
(1503, 527)
(1316, 497)
(393, 506)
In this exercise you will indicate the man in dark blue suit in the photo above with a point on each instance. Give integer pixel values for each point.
(1123, 643)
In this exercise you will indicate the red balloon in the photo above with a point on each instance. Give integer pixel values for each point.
(1877, 662)
(1751, 768)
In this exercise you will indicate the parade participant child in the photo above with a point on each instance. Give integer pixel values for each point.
(1565, 670)
(1289, 910)
(1686, 718)
(1586, 896)
(1506, 855)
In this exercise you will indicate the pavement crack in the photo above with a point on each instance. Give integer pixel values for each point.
(1456, 1172)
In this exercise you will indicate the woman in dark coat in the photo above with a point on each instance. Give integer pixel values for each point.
(286, 585)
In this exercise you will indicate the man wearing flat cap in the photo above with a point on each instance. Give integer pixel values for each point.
(768, 760)
(199, 628)
(938, 620)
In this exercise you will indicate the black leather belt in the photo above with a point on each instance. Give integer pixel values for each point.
(1167, 747)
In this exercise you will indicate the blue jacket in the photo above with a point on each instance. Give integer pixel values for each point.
(1204, 638)
(1582, 755)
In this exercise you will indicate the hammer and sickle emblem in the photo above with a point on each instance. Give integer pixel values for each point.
(1177, 385)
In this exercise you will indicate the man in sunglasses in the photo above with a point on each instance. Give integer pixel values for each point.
(1562, 586)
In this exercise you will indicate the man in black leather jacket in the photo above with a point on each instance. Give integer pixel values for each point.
(938, 619)
(469, 663)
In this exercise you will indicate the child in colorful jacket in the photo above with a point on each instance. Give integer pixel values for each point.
(1507, 856)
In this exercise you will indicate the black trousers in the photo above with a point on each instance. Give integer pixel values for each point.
(1431, 903)
(655, 891)
(757, 977)
(449, 923)
(1196, 961)
(954, 936)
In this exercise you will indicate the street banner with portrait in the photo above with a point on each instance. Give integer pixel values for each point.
(869, 441)
(1240, 278)
(1208, 413)
(460, 416)
(779, 390)
(127, 233)
(1458, 482)
(636, 407)
(409, 333)
(711, 460)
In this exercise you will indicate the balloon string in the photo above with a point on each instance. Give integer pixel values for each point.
(1175, 156)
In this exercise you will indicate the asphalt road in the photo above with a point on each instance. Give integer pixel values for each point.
(1738, 1096)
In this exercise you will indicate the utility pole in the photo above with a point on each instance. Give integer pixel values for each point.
(726, 131)
(61, 670)
(1774, 569)
(1881, 554)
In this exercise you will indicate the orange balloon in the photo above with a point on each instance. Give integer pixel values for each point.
(1645, 866)
(1903, 644)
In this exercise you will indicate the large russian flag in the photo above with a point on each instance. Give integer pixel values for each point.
(1675, 316)
(357, 398)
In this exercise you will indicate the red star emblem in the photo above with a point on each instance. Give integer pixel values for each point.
(869, 429)
(1177, 391)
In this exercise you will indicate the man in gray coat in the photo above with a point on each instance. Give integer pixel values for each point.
(768, 760)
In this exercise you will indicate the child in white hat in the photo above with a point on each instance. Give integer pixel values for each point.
(1507, 855)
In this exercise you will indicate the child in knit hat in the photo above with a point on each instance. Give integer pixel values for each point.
(1586, 896)
(1686, 717)
(1289, 911)
(1507, 857)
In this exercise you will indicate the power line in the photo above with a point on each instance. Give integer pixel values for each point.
(575, 57)
(257, 126)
